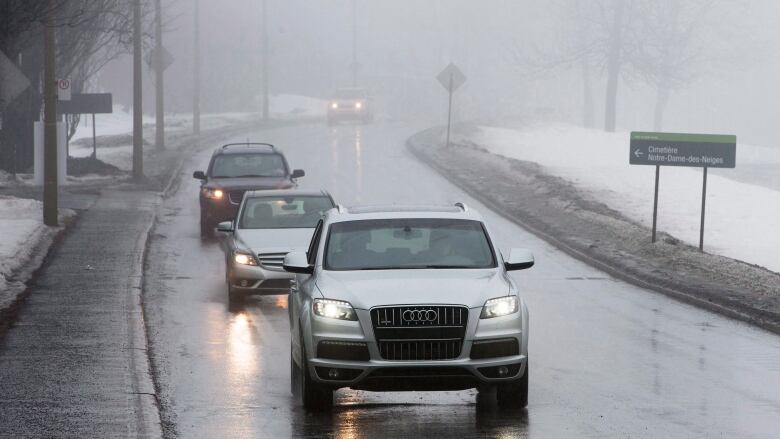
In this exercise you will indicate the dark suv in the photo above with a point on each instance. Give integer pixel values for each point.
(234, 169)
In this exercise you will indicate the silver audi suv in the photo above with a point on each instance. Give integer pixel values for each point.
(393, 299)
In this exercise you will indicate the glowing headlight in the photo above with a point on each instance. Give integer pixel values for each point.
(358, 105)
(334, 309)
(500, 306)
(244, 258)
(334, 105)
(214, 194)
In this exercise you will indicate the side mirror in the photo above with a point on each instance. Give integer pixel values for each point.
(297, 173)
(200, 175)
(519, 259)
(225, 226)
(297, 262)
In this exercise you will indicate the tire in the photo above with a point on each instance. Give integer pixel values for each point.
(206, 227)
(313, 395)
(234, 295)
(514, 394)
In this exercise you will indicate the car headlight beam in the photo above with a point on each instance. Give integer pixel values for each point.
(333, 309)
(244, 258)
(500, 306)
(334, 105)
(358, 105)
(213, 194)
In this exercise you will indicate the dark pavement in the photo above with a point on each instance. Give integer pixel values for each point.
(74, 362)
(607, 359)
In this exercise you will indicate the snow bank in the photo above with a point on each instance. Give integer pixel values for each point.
(741, 220)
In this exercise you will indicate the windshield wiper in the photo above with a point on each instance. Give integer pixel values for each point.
(253, 175)
(445, 266)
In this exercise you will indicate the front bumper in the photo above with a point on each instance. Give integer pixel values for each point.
(257, 279)
(377, 374)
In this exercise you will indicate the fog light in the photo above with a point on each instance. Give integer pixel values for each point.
(333, 374)
(244, 283)
(503, 371)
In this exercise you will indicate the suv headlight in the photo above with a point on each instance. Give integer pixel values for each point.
(334, 309)
(500, 306)
(213, 194)
(244, 258)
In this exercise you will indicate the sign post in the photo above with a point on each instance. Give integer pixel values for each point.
(88, 103)
(677, 149)
(451, 78)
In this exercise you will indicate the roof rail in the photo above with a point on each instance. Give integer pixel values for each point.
(273, 148)
(341, 208)
(462, 206)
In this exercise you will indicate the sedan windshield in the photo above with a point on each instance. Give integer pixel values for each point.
(408, 243)
(248, 165)
(283, 212)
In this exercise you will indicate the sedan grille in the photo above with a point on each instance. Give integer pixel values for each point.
(420, 332)
(272, 261)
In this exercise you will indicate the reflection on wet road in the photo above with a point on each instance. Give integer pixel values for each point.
(607, 359)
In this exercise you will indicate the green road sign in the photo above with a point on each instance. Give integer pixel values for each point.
(677, 149)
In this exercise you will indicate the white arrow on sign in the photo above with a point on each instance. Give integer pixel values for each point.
(638, 153)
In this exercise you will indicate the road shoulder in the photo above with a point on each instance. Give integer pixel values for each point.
(588, 230)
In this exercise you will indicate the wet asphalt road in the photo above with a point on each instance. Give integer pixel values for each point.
(606, 359)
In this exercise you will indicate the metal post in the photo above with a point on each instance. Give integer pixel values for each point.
(265, 60)
(50, 124)
(159, 104)
(354, 44)
(655, 200)
(196, 71)
(449, 113)
(703, 201)
(138, 133)
(94, 138)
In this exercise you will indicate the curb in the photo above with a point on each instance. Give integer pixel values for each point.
(736, 311)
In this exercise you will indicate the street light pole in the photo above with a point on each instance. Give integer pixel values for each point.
(196, 71)
(50, 123)
(138, 133)
(159, 105)
(265, 60)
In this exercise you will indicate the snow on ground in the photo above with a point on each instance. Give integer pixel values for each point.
(741, 219)
(284, 106)
(21, 223)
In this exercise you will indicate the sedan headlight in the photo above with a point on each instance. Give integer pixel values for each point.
(500, 306)
(334, 309)
(334, 105)
(213, 194)
(244, 258)
(358, 105)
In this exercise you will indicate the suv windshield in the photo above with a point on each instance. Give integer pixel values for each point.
(351, 93)
(284, 212)
(408, 243)
(248, 165)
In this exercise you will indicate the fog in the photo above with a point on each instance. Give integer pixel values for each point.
(520, 58)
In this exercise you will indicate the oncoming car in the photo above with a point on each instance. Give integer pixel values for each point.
(393, 299)
(234, 169)
(350, 104)
(268, 226)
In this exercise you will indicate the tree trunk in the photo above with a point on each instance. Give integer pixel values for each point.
(588, 119)
(613, 68)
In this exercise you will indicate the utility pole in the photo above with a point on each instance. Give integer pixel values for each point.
(138, 131)
(49, 123)
(354, 44)
(265, 60)
(158, 70)
(196, 70)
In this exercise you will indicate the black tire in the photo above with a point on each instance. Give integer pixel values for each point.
(313, 395)
(234, 295)
(206, 227)
(514, 394)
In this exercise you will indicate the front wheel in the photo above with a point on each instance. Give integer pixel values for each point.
(314, 396)
(514, 394)
(206, 227)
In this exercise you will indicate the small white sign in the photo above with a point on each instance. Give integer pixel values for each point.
(63, 89)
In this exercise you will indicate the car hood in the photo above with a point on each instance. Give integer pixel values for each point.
(249, 183)
(274, 240)
(366, 289)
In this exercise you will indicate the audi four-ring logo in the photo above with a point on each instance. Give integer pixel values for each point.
(420, 315)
